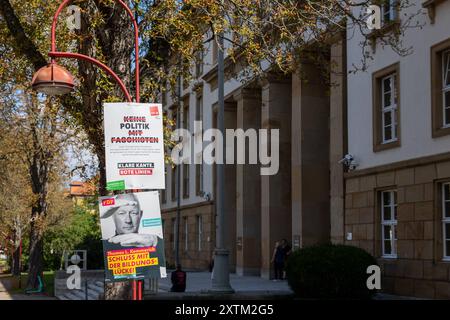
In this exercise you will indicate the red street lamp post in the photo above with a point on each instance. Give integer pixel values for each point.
(56, 80)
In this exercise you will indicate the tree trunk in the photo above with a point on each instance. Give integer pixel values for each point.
(15, 267)
(116, 42)
(36, 259)
(39, 173)
(102, 171)
(118, 291)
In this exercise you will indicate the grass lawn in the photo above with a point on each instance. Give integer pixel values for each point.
(49, 277)
(3, 265)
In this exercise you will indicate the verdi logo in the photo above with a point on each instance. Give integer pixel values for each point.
(154, 111)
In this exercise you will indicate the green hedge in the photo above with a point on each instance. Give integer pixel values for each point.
(330, 272)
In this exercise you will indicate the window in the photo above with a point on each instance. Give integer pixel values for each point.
(446, 220)
(186, 233)
(215, 51)
(446, 88)
(199, 232)
(199, 165)
(199, 108)
(389, 11)
(199, 64)
(174, 183)
(431, 6)
(440, 88)
(389, 108)
(199, 178)
(186, 180)
(386, 108)
(186, 114)
(389, 223)
(174, 234)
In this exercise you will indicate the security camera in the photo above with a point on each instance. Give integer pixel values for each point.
(205, 195)
(349, 162)
(347, 159)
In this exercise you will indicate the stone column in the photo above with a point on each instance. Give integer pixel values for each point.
(248, 189)
(338, 145)
(276, 217)
(310, 158)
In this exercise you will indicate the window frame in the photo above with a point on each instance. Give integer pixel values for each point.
(445, 220)
(393, 11)
(199, 63)
(392, 223)
(439, 127)
(174, 230)
(199, 107)
(214, 51)
(445, 71)
(186, 180)
(392, 109)
(199, 176)
(186, 234)
(174, 185)
(379, 143)
(199, 115)
(199, 220)
(186, 114)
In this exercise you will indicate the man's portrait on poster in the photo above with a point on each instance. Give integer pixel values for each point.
(127, 214)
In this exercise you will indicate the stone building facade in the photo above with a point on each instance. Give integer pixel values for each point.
(292, 204)
(415, 266)
(390, 118)
(397, 199)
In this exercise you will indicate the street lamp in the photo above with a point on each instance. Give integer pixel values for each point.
(56, 80)
(53, 80)
(221, 273)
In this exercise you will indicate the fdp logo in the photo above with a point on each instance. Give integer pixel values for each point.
(154, 111)
(108, 202)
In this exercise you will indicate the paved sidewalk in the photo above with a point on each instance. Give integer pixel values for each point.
(198, 285)
(19, 296)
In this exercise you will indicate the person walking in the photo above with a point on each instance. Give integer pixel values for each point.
(278, 261)
(178, 278)
(286, 251)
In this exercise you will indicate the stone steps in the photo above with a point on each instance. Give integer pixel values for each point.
(97, 288)
(94, 290)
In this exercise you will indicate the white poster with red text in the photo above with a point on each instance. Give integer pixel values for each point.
(134, 146)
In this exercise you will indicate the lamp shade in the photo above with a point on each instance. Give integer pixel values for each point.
(53, 80)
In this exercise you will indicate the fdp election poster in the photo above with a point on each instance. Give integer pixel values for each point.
(132, 236)
(134, 145)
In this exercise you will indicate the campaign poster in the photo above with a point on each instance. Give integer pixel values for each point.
(132, 236)
(134, 146)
